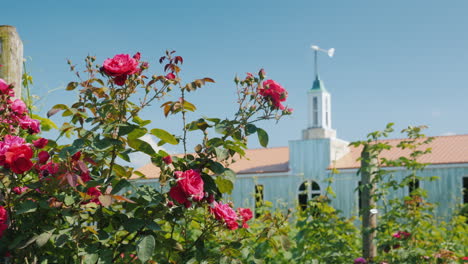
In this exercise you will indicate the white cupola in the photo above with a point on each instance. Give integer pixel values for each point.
(319, 112)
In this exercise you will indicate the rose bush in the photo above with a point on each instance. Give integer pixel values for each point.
(90, 209)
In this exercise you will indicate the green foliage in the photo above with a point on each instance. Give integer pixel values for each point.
(323, 236)
(82, 206)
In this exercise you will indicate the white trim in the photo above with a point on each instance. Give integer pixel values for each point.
(430, 166)
(262, 175)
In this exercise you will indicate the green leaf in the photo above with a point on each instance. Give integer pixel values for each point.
(142, 146)
(105, 143)
(189, 106)
(133, 224)
(145, 248)
(46, 123)
(221, 153)
(221, 128)
(43, 238)
(250, 129)
(125, 129)
(119, 170)
(71, 86)
(262, 137)
(69, 200)
(91, 258)
(27, 206)
(137, 133)
(123, 183)
(56, 108)
(217, 167)
(229, 174)
(165, 136)
(224, 185)
(140, 121)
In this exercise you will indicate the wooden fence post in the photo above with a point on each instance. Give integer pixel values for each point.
(369, 219)
(11, 57)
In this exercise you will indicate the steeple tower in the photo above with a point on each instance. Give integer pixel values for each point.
(319, 107)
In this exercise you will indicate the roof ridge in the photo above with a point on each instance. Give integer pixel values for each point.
(442, 136)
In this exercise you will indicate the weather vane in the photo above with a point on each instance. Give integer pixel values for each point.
(330, 53)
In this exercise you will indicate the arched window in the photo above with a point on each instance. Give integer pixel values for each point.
(308, 190)
(465, 190)
(413, 185)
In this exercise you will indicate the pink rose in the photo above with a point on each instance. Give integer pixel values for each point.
(32, 125)
(4, 87)
(246, 215)
(40, 143)
(274, 92)
(189, 187)
(43, 157)
(170, 76)
(360, 261)
(18, 158)
(121, 66)
(167, 160)
(3, 219)
(401, 235)
(224, 213)
(19, 107)
(19, 190)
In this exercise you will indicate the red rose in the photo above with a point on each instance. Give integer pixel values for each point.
(167, 160)
(7, 142)
(246, 215)
(50, 168)
(189, 187)
(179, 196)
(43, 157)
(18, 158)
(224, 213)
(40, 143)
(170, 76)
(94, 192)
(120, 67)
(76, 156)
(3, 219)
(274, 92)
(85, 177)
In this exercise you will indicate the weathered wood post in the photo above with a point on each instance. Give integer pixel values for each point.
(369, 218)
(11, 57)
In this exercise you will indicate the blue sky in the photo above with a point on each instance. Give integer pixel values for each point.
(396, 61)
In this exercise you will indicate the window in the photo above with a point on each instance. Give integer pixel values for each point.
(315, 110)
(258, 198)
(308, 190)
(326, 112)
(413, 185)
(465, 190)
(303, 195)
